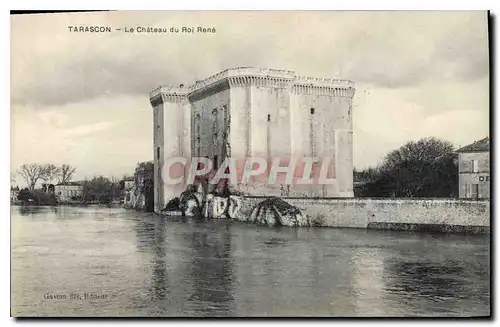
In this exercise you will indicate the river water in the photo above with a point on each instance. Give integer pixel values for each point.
(95, 261)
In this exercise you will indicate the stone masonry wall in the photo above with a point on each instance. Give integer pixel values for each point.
(358, 213)
(361, 212)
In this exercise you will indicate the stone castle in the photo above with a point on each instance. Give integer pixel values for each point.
(250, 112)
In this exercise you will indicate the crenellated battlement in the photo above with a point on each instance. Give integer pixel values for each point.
(325, 82)
(167, 93)
(259, 77)
(168, 89)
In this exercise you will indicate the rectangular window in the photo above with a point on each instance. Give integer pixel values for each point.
(216, 163)
(158, 153)
(268, 117)
(224, 111)
(312, 111)
(474, 191)
(475, 166)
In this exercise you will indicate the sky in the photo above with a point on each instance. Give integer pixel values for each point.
(83, 98)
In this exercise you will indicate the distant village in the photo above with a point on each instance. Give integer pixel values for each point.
(130, 191)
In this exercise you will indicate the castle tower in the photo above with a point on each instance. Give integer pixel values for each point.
(171, 138)
(321, 114)
(259, 113)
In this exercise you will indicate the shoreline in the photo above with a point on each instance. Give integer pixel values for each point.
(423, 215)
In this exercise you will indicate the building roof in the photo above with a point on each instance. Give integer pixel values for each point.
(478, 146)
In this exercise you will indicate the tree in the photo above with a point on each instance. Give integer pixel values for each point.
(426, 168)
(65, 173)
(98, 188)
(424, 150)
(50, 173)
(25, 195)
(365, 175)
(31, 173)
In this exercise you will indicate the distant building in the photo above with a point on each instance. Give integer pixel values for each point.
(48, 188)
(474, 170)
(67, 192)
(138, 190)
(128, 184)
(14, 192)
(128, 191)
(144, 179)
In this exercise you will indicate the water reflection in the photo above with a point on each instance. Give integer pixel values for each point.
(211, 272)
(367, 279)
(437, 284)
(156, 266)
(151, 237)
(158, 288)
(428, 278)
(32, 210)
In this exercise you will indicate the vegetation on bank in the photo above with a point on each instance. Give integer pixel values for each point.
(36, 197)
(425, 168)
(99, 189)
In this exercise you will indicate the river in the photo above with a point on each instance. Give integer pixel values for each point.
(109, 262)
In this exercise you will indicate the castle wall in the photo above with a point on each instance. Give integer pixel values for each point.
(322, 128)
(207, 123)
(270, 122)
(240, 120)
(186, 130)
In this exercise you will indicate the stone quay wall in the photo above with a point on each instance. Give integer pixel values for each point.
(441, 215)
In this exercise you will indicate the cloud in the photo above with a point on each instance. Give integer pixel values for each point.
(100, 136)
(90, 129)
(82, 99)
(385, 49)
(386, 118)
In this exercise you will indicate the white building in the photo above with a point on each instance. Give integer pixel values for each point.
(68, 192)
(474, 170)
(249, 112)
(14, 192)
(128, 194)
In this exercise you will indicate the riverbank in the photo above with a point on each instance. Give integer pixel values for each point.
(431, 215)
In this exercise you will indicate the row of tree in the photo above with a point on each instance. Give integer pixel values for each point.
(47, 173)
(425, 168)
(102, 190)
(98, 189)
